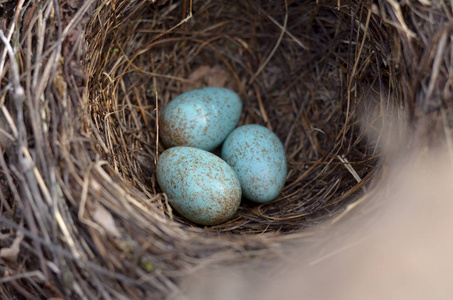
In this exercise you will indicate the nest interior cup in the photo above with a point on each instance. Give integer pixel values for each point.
(294, 82)
(82, 85)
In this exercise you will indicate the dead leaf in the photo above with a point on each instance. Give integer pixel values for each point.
(199, 73)
(205, 76)
(104, 218)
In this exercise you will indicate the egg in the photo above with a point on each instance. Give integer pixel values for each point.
(200, 118)
(200, 185)
(258, 157)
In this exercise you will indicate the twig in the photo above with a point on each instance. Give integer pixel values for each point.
(262, 109)
(83, 263)
(263, 65)
(157, 126)
(351, 170)
(18, 90)
(38, 274)
(302, 45)
(436, 64)
(10, 34)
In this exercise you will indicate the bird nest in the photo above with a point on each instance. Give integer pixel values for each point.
(82, 85)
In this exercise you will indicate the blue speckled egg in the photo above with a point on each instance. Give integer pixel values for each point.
(257, 156)
(200, 185)
(200, 118)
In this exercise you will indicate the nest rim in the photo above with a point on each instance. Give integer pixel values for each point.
(85, 189)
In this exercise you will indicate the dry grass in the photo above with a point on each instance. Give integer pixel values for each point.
(81, 86)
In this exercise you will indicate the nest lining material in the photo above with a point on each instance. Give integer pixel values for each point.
(276, 93)
(82, 216)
